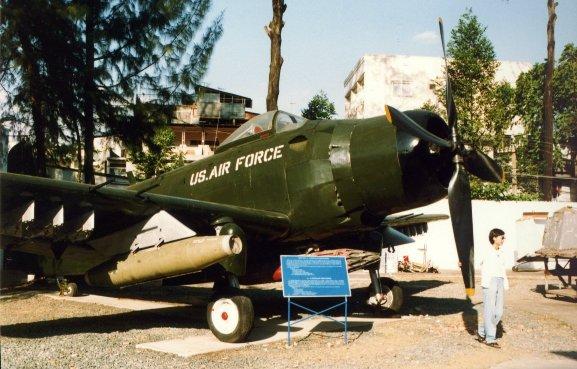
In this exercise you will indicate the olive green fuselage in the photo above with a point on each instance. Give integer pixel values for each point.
(330, 182)
(328, 177)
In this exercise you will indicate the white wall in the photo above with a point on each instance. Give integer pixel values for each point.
(522, 236)
(381, 72)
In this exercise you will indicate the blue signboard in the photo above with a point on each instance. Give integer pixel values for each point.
(314, 276)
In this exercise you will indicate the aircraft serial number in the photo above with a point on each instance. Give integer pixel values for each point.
(245, 161)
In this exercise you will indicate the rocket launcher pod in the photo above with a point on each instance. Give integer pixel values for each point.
(169, 260)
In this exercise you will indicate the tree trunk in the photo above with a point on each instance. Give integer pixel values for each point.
(548, 103)
(39, 128)
(40, 124)
(273, 30)
(572, 174)
(78, 143)
(89, 94)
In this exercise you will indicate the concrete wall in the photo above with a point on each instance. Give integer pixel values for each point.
(522, 235)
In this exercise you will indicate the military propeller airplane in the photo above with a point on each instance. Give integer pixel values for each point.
(279, 184)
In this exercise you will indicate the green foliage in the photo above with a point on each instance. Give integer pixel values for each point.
(529, 106)
(501, 103)
(159, 157)
(74, 67)
(498, 192)
(319, 107)
(150, 45)
(484, 107)
(472, 67)
(148, 139)
(39, 57)
(565, 103)
(435, 108)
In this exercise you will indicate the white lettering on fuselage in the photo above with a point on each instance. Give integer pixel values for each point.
(245, 161)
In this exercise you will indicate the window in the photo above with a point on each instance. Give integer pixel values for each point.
(402, 88)
(258, 124)
(287, 122)
(283, 122)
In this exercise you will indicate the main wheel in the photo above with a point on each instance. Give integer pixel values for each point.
(71, 290)
(393, 295)
(231, 318)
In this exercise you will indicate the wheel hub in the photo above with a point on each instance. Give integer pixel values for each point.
(225, 315)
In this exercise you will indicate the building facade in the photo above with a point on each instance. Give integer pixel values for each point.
(200, 127)
(404, 82)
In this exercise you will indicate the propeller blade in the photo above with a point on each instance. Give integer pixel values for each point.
(451, 109)
(482, 166)
(442, 37)
(462, 220)
(404, 121)
(460, 189)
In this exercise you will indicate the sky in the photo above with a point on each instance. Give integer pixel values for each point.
(322, 40)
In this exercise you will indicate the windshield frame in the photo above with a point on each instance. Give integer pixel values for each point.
(263, 123)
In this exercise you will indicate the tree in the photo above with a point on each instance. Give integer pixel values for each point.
(548, 103)
(158, 157)
(565, 108)
(319, 107)
(486, 108)
(529, 98)
(471, 67)
(147, 45)
(501, 99)
(529, 107)
(39, 83)
(274, 30)
(113, 50)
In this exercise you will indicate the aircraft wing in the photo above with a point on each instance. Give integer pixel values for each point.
(40, 208)
(412, 224)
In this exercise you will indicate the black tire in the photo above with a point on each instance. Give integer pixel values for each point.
(230, 318)
(71, 290)
(394, 294)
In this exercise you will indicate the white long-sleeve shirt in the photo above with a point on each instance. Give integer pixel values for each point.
(493, 265)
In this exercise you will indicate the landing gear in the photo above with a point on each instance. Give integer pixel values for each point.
(67, 288)
(385, 294)
(225, 285)
(231, 316)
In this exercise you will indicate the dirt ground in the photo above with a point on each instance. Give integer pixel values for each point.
(434, 330)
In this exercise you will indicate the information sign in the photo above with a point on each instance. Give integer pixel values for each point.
(315, 276)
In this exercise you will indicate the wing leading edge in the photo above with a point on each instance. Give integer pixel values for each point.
(34, 205)
(398, 229)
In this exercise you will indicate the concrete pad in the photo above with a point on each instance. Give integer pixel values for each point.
(265, 331)
(120, 303)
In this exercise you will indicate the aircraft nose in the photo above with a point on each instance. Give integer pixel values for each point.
(426, 164)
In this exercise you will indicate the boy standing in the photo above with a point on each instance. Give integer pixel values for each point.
(494, 282)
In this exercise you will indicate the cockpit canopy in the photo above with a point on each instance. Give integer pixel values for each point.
(278, 120)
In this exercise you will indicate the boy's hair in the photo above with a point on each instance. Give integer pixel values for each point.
(495, 232)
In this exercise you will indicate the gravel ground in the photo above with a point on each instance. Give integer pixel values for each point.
(434, 330)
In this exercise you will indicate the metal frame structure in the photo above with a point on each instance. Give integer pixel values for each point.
(317, 313)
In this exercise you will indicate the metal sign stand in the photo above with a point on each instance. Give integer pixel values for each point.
(316, 313)
(315, 277)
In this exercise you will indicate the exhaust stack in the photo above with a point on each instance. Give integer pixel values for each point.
(169, 260)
